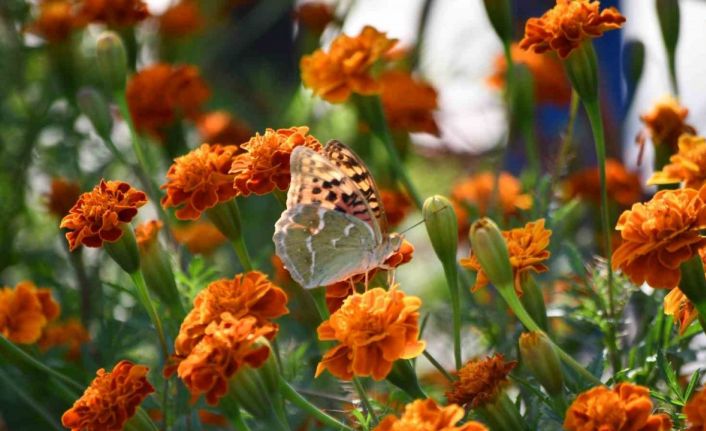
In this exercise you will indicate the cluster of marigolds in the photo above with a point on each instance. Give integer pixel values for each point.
(231, 324)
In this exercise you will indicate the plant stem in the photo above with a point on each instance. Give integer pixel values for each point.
(232, 411)
(451, 272)
(143, 296)
(242, 251)
(295, 398)
(438, 366)
(364, 399)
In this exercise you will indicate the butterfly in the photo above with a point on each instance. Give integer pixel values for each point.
(334, 226)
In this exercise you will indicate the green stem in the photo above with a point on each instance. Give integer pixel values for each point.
(594, 115)
(144, 297)
(141, 422)
(295, 398)
(438, 366)
(242, 251)
(17, 391)
(232, 411)
(364, 399)
(671, 58)
(451, 272)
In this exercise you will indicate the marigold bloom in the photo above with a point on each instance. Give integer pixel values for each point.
(688, 165)
(314, 16)
(626, 407)
(568, 24)
(182, 19)
(695, 411)
(200, 237)
(220, 127)
(226, 346)
(527, 247)
(677, 305)
(70, 334)
(397, 205)
(110, 400)
(426, 415)
(146, 233)
(265, 163)
(409, 102)
(25, 312)
(115, 13)
(346, 68)
(373, 330)
(478, 190)
(480, 381)
(666, 122)
(550, 82)
(55, 22)
(623, 186)
(62, 196)
(161, 94)
(659, 235)
(97, 216)
(200, 180)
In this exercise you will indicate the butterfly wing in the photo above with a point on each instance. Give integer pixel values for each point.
(352, 166)
(317, 181)
(320, 246)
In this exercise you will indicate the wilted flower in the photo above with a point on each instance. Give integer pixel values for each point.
(62, 196)
(314, 15)
(110, 400)
(677, 305)
(658, 236)
(688, 165)
(426, 415)
(182, 19)
(70, 334)
(346, 68)
(527, 247)
(55, 21)
(695, 411)
(409, 102)
(568, 24)
(200, 237)
(373, 330)
(265, 163)
(550, 82)
(623, 186)
(25, 312)
(666, 122)
(161, 94)
(626, 407)
(200, 180)
(220, 127)
(480, 381)
(397, 205)
(477, 191)
(115, 13)
(98, 215)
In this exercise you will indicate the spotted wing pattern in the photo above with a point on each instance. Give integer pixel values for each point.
(354, 168)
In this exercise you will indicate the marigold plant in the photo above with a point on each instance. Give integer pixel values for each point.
(426, 415)
(409, 102)
(623, 185)
(116, 13)
(25, 311)
(478, 190)
(70, 335)
(666, 121)
(480, 381)
(677, 305)
(62, 196)
(695, 411)
(688, 165)
(200, 237)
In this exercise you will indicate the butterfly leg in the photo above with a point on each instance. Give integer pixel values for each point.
(366, 280)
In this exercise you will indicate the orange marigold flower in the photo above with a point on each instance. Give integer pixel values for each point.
(250, 294)
(314, 16)
(265, 163)
(146, 233)
(161, 94)
(568, 24)
(666, 122)
(373, 330)
(226, 346)
(677, 305)
(397, 205)
(97, 216)
(550, 82)
(220, 127)
(70, 334)
(281, 275)
(346, 68)
(62, 196)
(199, 237)
(695, 411)
(409, 102)
(25, 311)
(200, 180)
(55, 22)
(426, 415)
(623, 186)
(626, 407)
(182, 19)
(478, 190)
(658, 236)
(688, 165)
(115, 13)
(480, 381)
(527, 247)
(110, 400)
(210, 418)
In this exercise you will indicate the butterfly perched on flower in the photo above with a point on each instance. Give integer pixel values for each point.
(334, 226)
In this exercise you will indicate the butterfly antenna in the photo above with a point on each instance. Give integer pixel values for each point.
(423, 220)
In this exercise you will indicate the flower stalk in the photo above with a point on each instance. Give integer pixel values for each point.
(226, 217)
(295, 398)
(143, 296)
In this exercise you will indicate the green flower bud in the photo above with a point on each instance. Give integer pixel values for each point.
(490, 248)
(533, 301)
(95, 107)
(502, 414)
(540, 357)
(633, 64)
(442, 228)
(226, 217)
(404, 377)
(500, 17)
(112, 61)
(124, 251)
(582, 68)
(668, 14)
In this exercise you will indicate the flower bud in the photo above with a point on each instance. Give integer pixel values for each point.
(582, 68)
(540, 357)
(668, 14)
(226, 217)
(500, 17)
(633, 64)
(490, 248)
(693, 283)
(124, 251)
(404, 377)
(533, 301)
(442, 228)
(112, 61)
(95, 107)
